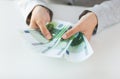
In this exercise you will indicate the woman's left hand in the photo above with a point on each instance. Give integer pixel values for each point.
(86, 25)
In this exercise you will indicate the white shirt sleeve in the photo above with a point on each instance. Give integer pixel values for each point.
(108, 13)
(27, 6)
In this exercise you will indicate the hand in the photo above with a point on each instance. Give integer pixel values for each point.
(85, 25)
(40, 16)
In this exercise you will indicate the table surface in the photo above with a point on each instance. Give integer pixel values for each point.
(18, 61)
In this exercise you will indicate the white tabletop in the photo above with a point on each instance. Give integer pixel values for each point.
(18, 61)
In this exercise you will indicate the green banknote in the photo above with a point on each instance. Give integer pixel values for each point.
(54, 47)
(76, 48)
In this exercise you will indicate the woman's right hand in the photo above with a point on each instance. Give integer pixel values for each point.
(40, 16)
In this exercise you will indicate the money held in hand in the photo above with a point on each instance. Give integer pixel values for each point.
(74, 49)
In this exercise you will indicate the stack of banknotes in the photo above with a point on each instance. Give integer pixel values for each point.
(74, 49)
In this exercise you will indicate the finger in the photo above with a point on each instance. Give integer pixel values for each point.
(33, 25)
(69, 33)
(88, 35)
(48, 18)
(44, 30)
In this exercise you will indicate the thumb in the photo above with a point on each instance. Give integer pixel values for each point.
(69, 33)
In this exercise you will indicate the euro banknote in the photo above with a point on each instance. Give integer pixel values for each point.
(76, 48)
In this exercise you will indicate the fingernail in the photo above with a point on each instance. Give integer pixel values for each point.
(64, 36)
(48, 36)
